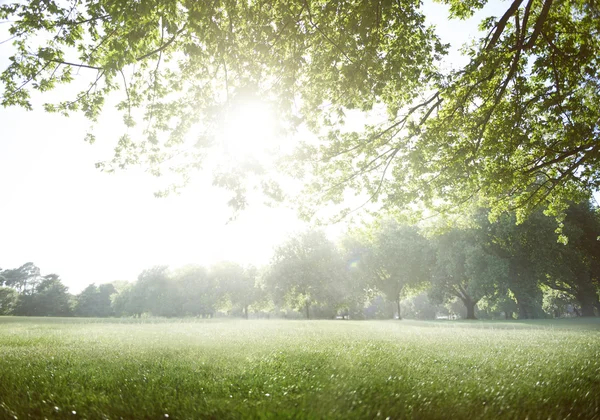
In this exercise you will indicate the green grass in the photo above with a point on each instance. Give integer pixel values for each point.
(74, 368)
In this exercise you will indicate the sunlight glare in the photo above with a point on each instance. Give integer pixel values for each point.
(249, 131)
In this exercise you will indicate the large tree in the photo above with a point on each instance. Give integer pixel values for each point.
(198, 292)
(305, 271)
(535, 257)
(465, 271)
(515, 127)
(397, 261)
(237, 283)
(574, 268)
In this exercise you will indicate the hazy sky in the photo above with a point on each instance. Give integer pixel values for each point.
(67, 217)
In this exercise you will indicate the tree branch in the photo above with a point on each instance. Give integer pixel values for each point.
(539, 24)
(502, 24)
(163, 46)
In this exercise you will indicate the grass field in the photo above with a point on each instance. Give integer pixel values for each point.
(76, 368)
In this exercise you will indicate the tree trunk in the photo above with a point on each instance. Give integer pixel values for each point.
(523, 312)
(587, 307)
(398, 307)
(246, 311)
(470, 308)
(508, 315)
(587, 299)
(307, 305)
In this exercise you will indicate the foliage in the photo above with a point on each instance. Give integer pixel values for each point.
(420, 307)
(575, 267)
(558, 303)
(514, 128)
(8, 300)
(52, 297)
(397, 261)
(24, 279)
(238, 284)
(305, 270)
(535, 257)
(95, 301)
(200, 292)
(464, 270)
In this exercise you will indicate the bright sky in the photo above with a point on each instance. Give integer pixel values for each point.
(69, 218)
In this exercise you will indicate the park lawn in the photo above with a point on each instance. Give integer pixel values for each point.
(91, 368)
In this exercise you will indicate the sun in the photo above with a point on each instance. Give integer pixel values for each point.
(249, 130)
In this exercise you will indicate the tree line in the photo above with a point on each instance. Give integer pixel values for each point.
(383, 270)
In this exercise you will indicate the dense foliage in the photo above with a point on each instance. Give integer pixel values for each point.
(386, 270)
(516, 127)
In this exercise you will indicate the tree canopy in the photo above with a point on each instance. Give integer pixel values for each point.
(515, 128)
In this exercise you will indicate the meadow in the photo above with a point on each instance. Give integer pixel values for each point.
(221, 369)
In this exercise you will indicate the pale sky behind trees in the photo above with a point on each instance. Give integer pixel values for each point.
(58, 211)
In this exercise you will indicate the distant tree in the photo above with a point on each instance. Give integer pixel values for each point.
(8, 300)
(354, 288)
(157, 292)
(152, 293)
(304, 270)
(129, 302)
(237, 284)
(85, 301)
(398, 261)
(503, 304)
(24, 279)
(95, 301)
(420, 307)
(51, 297)
(198, 292)
(105, 293)
(464, 270)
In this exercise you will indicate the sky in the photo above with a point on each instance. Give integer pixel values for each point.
(61, 213)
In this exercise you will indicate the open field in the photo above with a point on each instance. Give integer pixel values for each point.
(79, 368)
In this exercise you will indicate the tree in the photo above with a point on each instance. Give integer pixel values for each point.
(465, 271)
(514, 128)
(24, 279)
(199, 291)
(355, 288)
(51, 297)
(536, 257)
(397, 261)
(574, 268)
(8, 300)
(237, 283)
(95, 301)
(156, 292)
(304, 270)
(527, 248)
(128, 302)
